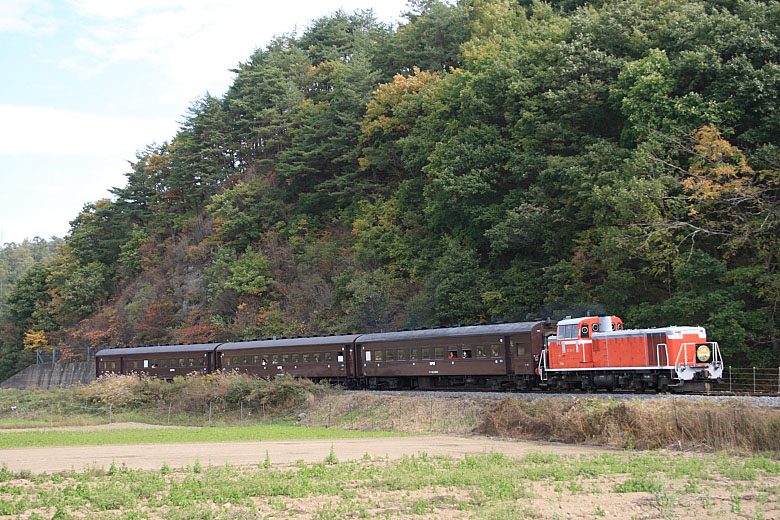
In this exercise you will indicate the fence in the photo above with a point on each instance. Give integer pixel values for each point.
(750, 380)
(365, 412)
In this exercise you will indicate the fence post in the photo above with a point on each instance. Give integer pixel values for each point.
(754, 380)
(241, 417)
(730, 391)
(209, 413)
(169, 413)
(110, 413)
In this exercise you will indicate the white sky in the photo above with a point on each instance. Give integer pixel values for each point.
(86, 83)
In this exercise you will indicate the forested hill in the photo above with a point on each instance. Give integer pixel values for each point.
(490, 160)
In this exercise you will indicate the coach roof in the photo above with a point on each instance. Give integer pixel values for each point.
(449, 332)
(162, 349)
(289, 342)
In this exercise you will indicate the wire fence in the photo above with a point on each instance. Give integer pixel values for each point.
(436, 414)
(750, 380)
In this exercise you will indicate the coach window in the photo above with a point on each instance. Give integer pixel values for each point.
(227, 361)
(316, 357)
(520, 347)
(402, 355)
(155, 363)
(495, 350)
(466, 353)
(135, 365)
(295, 358)
(452, 353)
(328, 356)
(163, 363)
(182, 362)
(305, 358)
(255, 360)
(274, 358)
(202, 361)
(438, 353)
(190, 362)
(390, 355)
(426, 353)
(380, 355)
(413, 354)
(285, 358)
(481, 352)
(265, 358)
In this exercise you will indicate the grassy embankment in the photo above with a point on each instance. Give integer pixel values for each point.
(231, 400)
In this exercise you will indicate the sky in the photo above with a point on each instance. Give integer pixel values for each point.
(88, 83)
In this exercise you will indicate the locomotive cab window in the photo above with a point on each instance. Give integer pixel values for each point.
(568, 331)
(584, 330)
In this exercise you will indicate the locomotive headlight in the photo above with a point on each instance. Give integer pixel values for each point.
(703, 353)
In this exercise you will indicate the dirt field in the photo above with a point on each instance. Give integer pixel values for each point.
(152, 456)
(602, 483)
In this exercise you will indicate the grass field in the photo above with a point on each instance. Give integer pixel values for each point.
(490, 486)
(176, 435)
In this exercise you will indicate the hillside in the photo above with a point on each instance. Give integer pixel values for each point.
(487, 160)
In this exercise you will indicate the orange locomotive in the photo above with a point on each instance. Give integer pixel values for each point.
(597, 352)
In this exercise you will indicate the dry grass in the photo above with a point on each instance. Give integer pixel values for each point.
(651, 424)
(190, 394)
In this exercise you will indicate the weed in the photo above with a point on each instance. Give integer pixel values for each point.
(331, 459)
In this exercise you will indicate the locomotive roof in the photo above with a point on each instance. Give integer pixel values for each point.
(289, 342)
(162, 349)
(473, 330)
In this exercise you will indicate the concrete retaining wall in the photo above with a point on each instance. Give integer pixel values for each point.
(48, 375)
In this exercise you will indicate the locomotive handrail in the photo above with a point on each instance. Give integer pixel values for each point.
(683, 348)
(543, 365)
(658, 353)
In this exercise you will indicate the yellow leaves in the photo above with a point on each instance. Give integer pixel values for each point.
(36, 340)
(381, 112)
(718, 172)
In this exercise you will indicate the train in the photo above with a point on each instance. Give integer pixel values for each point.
(584, 354)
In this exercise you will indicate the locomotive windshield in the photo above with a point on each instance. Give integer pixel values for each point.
(568, 331)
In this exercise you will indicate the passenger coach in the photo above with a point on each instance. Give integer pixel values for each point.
(502, 356)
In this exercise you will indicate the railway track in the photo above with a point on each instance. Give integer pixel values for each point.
(771, 400)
